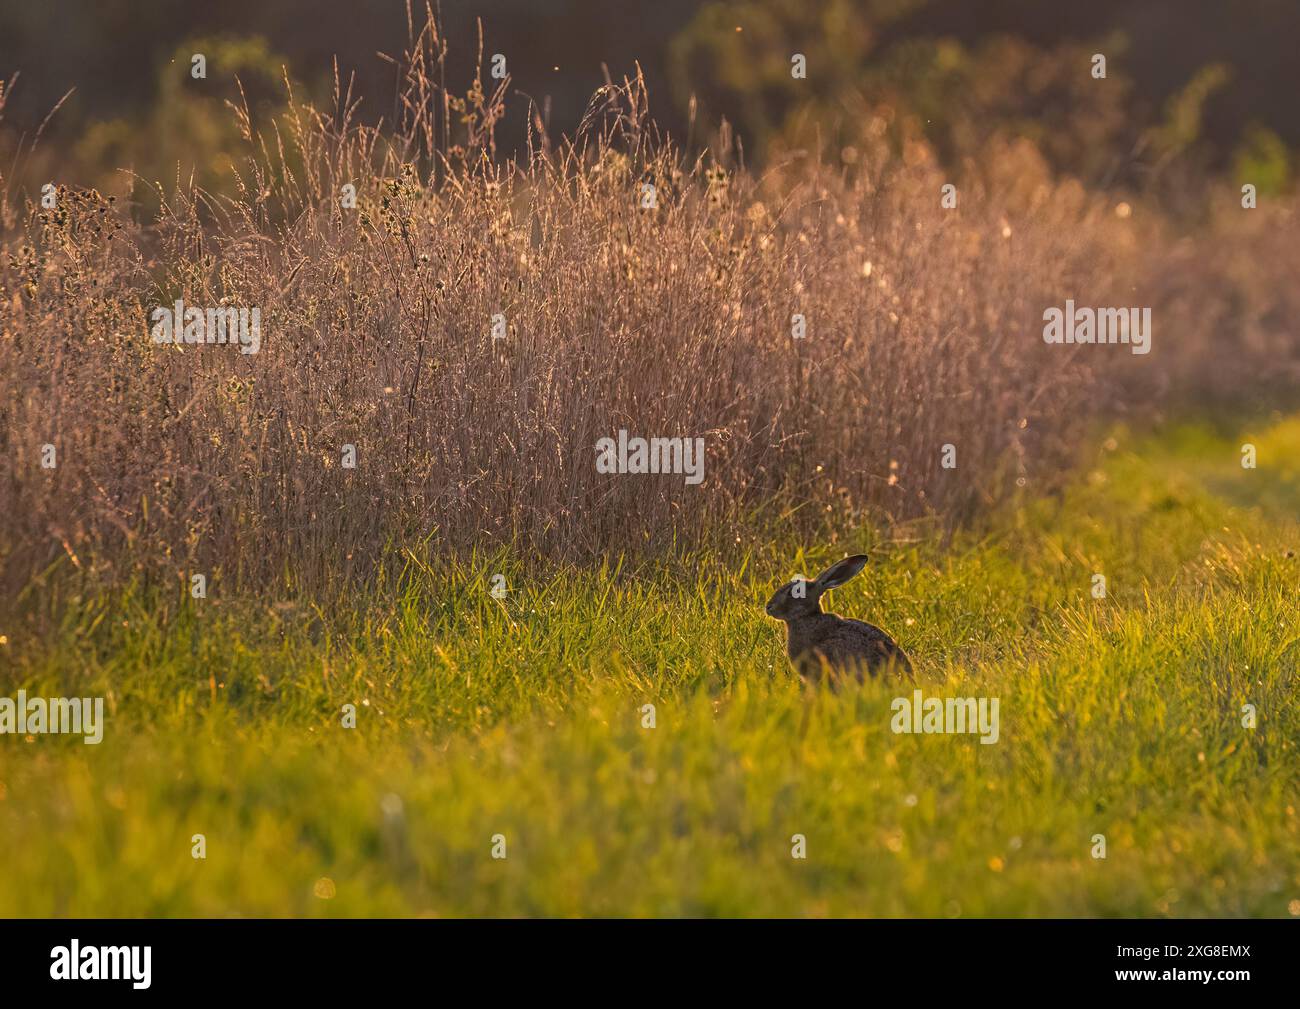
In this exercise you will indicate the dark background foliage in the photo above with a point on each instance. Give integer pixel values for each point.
(1199, 79)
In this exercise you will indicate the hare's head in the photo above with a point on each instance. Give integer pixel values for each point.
(801, 598)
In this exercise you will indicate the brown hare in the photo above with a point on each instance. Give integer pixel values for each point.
(814, 638)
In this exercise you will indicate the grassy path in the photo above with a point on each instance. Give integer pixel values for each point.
(523, 718)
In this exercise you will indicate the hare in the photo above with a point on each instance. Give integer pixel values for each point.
(814, 637)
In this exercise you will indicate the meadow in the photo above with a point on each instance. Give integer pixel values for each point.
(523, 717)
(347, 720)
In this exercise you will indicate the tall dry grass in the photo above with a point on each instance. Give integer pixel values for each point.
(923, 329)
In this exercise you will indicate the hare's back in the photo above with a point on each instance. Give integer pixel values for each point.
(857, 640)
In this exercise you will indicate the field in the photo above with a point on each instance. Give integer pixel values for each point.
(380, 631)
(523, 717)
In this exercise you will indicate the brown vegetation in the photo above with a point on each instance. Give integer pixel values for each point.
(923, 328)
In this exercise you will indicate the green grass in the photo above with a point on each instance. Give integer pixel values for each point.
(477, 717)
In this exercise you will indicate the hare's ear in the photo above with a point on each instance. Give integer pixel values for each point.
(840, 572)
